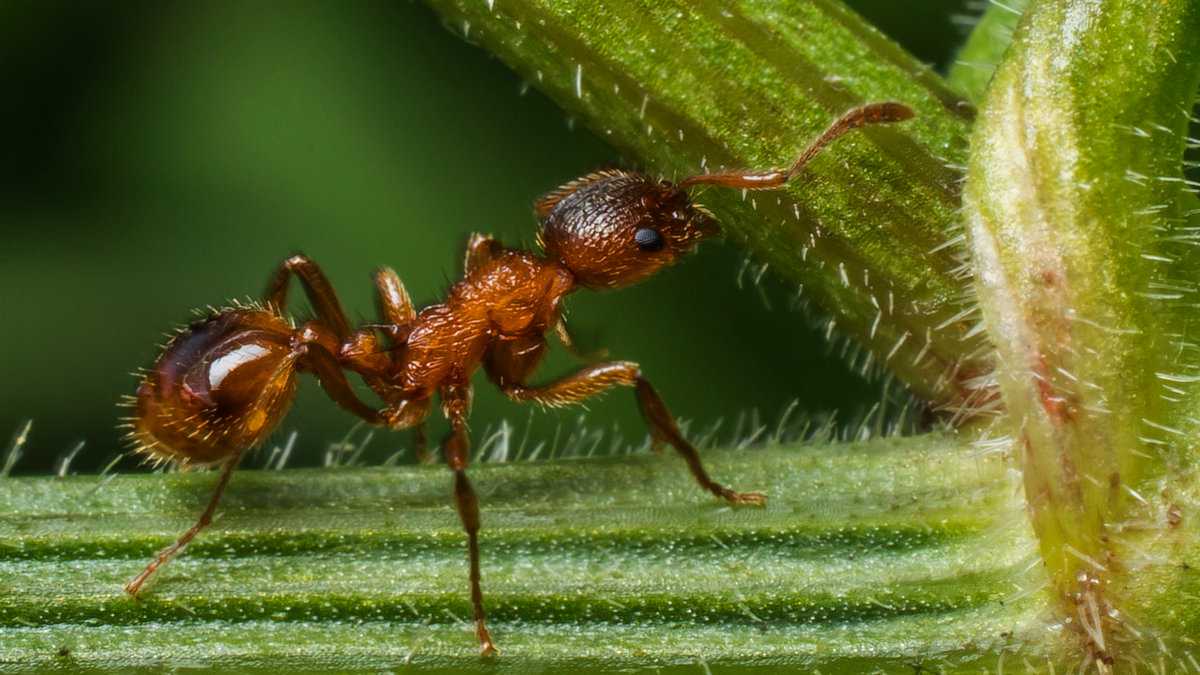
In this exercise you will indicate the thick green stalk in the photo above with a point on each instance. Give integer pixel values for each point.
(1087, 270)
(869, 231)
(874, 555)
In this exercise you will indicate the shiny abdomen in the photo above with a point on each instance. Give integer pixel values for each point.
(219, 387)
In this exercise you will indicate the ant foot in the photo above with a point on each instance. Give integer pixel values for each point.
(744, 498)
(135, 586)
(486, 648)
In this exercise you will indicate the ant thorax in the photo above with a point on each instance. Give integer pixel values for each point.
(512, 294)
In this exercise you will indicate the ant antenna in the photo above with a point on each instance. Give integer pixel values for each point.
(871, 113)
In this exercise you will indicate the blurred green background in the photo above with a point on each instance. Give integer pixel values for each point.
(164, 156)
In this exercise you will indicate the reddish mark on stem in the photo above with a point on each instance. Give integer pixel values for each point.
(1174, 516)
(1059, 408)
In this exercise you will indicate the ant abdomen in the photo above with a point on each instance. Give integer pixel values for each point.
(219, 387)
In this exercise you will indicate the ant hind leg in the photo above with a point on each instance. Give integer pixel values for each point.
(333, 380)
(316, 286)
(164, 556)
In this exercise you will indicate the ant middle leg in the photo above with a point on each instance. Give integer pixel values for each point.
(457, 446)
(568, 342)
(598, 378)
(421, 445)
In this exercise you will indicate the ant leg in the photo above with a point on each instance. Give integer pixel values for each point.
(663, 429)
(196, 407)
(395, 305)
(218, 388)
(871, 113)
(316, 286)
(455, 401)
(598, 378)
(421, 445)
(511, 362)
(320, 362)
(568, 343)
(481, 249)
(164, 556)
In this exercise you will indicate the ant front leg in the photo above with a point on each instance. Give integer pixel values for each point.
(456, 400)
(509, 372)
(664, 430)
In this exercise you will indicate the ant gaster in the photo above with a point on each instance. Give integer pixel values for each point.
(222, 384)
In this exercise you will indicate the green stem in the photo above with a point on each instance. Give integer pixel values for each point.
(1087, 273)
(889, 552)
(869, 231)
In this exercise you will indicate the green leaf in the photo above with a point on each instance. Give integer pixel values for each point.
(889, 552)
(976, 61)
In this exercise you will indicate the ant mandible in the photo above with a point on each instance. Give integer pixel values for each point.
(223, 383)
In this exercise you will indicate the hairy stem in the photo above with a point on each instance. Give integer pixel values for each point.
(1087, 270)
(889, 552)
(868, 231)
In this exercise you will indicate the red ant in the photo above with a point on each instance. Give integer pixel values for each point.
(223, 383)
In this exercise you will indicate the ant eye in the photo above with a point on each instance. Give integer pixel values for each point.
(648, 239)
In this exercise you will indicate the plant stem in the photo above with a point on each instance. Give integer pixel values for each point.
(887, 552)
(1087, 272)
(869, 231)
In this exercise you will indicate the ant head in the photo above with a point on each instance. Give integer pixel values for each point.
(615, 228)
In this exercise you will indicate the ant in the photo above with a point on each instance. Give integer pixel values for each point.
(223, 383)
